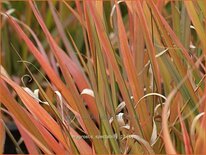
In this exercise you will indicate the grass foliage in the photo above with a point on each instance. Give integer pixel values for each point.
(104, 77)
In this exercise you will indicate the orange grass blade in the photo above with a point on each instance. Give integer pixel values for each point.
(54, 47)
(149, 44)
(60, 29)
(166, 134)
(186, 139)
(103, 38)
(21, 116)
(56, 147)
(131, 74)
(93, 131)
(2, 134)
(30, 145)
(79, 18)
(181, 71)
(82, 145)
(196, 22)
(43, 62)
(60, 55)
(80, 80)
(201, 138)
(35, 108)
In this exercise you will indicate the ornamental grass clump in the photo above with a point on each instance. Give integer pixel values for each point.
(103, 77)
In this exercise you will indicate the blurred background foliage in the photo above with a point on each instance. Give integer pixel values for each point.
(171, 30)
